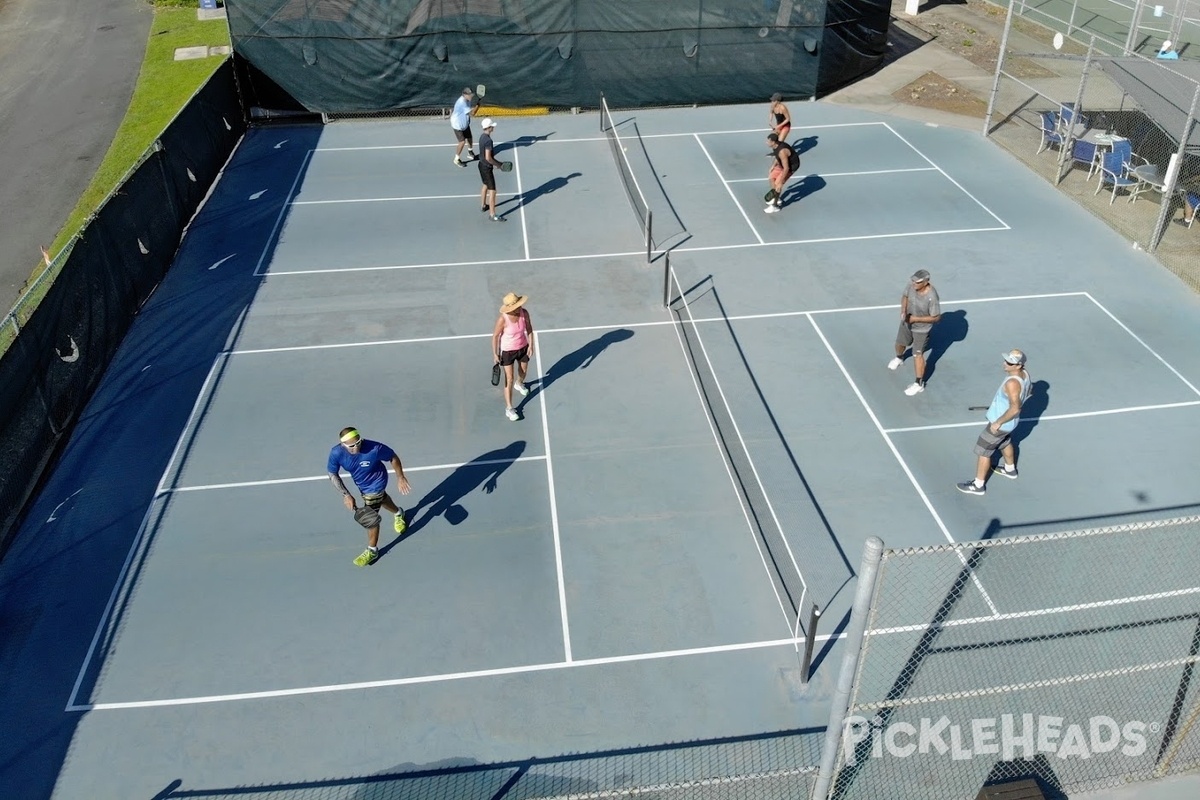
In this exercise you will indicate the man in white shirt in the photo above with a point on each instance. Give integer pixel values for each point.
(460, 121)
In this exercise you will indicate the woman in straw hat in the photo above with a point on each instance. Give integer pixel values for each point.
(512, 342)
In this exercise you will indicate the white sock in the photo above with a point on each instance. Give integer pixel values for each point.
(978, 483)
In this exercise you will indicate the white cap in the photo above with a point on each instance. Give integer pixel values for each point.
(1166, 45)
(487, 123)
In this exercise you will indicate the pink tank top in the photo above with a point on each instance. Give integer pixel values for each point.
(514, 336)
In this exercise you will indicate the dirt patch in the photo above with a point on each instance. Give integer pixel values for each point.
(933, 91)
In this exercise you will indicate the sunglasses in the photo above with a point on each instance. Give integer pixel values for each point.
(353, 444)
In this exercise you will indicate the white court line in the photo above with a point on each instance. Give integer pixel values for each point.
(393, 199)
(651, 324)
(1046, 417)
(1139, 340)
(558, 561)
(446, 677)
(939, 169)
(309, 478)
(848, 174)
(272, 236)
(637, 253)
(900, 460)
(1037, 612)
(762, 129)
(140, 535)
(521, 208)
(732, 196)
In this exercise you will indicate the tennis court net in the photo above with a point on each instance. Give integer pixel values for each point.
(633, 191)
(692, 310)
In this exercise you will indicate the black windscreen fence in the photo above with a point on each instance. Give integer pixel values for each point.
(60, 353)
(362, 56)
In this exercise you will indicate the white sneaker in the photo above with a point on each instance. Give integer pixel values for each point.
(471, 153)
(772, 209)
(914, 388)
(895, 363)
(511, 413)
(522, 388)
(458, 162)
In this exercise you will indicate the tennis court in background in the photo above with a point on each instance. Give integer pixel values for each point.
(634, 562)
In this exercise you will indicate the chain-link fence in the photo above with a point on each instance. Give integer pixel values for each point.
(1122, 26)
(1066, 659)
(1118, 134)
(761, 767)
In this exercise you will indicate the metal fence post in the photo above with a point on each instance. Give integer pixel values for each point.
(1069, 134)
(1172, 176)
(667, 279)
(868, 575)
(987, 120)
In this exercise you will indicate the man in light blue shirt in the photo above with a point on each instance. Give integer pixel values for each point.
(460, 122)
(1002, 417)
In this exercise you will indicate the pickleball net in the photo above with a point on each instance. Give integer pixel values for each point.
(791, 585)
(637, 198)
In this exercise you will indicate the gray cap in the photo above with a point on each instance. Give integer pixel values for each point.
(1014, 357)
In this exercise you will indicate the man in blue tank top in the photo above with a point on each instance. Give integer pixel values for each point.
(367, 463)
(1002, 415)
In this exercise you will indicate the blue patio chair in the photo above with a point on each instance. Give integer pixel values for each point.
(1085, 153)
(1050, 134)
(1114, 169)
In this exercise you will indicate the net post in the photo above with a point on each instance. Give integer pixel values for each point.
(667, 279)
(649, 238)
(810, 638)
(868, 574)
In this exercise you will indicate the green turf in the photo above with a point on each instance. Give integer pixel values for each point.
(163, 88)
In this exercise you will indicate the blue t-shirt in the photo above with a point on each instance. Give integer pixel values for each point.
(368, 467)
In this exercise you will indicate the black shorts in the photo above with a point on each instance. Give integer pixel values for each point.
(510, 356)
(464, 135)
(376, 500)
(488, 174)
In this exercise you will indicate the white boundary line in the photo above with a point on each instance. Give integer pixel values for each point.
(558, 559)
(849, 174)
(1139, 340)
(1046, 417)
(648, 324)
(762, 130)
(140, 536)
(445, 677)
(311, 478)
(287, 201)
(729, 190)
(946, 175)
(521, 208)
(899, 459)
(388, 199)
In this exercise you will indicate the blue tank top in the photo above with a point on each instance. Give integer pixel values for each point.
(1000, 401)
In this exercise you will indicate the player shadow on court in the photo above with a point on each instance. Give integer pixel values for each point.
(952, 328)
(804, 144)
(525, 198)
(795, 192)
(576, 359)
(521, 141)
(1031, 412)
(444, 500)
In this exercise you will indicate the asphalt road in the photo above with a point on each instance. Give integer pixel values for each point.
(67, 71)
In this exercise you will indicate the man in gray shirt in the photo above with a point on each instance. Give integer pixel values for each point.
(919, 310)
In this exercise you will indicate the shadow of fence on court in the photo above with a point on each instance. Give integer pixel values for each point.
(764, 766)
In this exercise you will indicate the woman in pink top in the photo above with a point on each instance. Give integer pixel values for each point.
(512, 342)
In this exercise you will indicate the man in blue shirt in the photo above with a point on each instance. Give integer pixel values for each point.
(460, 122)
(367, 461)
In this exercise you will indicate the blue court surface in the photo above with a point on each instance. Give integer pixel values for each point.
(622, 566)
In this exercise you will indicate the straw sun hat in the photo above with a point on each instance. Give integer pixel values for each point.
(512, 302)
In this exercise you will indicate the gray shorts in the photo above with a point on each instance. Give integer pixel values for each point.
(918, 339)
(989, 442)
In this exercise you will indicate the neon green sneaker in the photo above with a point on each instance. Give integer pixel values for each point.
(367, 558)
(400, 525)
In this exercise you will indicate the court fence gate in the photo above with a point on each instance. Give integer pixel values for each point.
(1068, 659)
